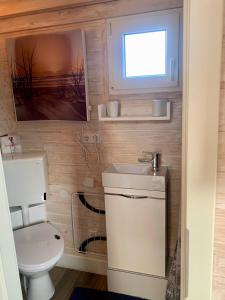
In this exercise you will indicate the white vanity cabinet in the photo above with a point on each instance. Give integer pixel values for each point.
(136, 231)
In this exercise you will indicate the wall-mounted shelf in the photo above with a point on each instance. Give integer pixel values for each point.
(102, 116)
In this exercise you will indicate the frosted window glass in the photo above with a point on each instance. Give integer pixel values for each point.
(145, 54)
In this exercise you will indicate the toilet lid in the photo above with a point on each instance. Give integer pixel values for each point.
(38, 247)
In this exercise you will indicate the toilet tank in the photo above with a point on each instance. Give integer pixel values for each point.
(26, 178)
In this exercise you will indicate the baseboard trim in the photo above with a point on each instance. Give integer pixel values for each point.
(86, 264)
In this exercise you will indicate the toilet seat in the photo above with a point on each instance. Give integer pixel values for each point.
(38, 247)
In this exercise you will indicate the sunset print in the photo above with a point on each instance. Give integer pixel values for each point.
(48, 76)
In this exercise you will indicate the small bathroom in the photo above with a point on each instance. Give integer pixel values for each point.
(91, 143)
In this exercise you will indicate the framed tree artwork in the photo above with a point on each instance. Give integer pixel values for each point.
(48, 73)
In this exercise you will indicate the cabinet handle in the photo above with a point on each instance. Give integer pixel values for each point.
(127, 196)
(134, 196)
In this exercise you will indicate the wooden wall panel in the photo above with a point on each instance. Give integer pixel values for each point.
(85, 14)
(121, 142)
(6, 106)
(9, 8)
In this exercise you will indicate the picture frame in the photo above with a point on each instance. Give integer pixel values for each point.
(49, 76)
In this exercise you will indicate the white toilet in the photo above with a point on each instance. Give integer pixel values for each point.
(39, 246)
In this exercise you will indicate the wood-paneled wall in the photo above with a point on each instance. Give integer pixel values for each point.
(121, 142)
(9, 8)
(219, 241)
(7, 116)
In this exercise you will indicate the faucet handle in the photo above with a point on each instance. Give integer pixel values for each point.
(151, 154)
(146, 157)
(144, 160)
(154, 159)
(147, 153)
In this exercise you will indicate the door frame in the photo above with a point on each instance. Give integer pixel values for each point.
(10, 288)
(201, 94)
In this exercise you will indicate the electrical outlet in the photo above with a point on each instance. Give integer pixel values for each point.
(91, 138)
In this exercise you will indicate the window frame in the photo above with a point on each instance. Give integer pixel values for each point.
(117, 28)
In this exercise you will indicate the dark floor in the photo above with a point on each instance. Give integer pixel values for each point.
(65, 280)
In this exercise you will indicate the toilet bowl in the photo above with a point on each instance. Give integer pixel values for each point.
(38, 247)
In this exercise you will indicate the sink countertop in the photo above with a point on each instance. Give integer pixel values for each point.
(147, 170)
(135, 176)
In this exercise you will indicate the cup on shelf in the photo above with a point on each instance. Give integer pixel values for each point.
(113, 108)
(159, 107)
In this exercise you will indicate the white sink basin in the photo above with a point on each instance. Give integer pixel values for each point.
(130, 169)
(134, 176)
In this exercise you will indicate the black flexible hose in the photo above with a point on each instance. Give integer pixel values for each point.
(88, 205)
(83, 246)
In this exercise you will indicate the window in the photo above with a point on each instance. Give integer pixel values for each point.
(144, 52)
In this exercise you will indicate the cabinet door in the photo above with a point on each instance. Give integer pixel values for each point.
(136, 234)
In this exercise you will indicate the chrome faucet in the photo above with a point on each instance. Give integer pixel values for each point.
(151, 157)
